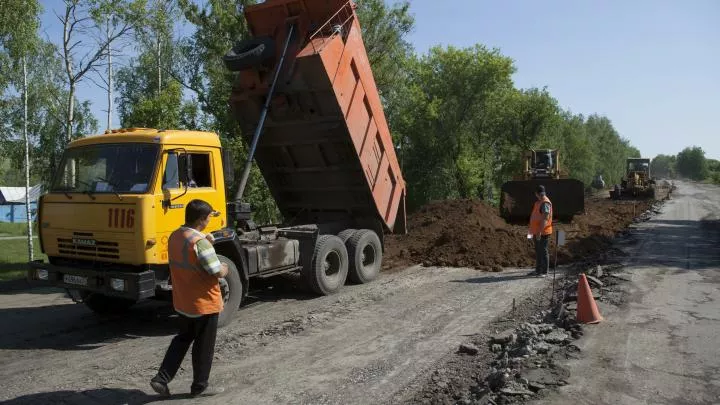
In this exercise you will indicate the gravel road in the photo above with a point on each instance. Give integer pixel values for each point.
(366, 344)
(663, 345)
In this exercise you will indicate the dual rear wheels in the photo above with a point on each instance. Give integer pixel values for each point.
(352, 254)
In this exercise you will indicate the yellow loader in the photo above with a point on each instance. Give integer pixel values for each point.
(541, 167)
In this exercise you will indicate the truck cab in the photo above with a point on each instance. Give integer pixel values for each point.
(112, 205)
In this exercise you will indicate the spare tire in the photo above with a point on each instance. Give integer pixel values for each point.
(231, 289)
(249, 53)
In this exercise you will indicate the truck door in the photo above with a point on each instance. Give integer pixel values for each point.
(186, 175)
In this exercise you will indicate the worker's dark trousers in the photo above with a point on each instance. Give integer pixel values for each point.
(201, 333)
(542, 254)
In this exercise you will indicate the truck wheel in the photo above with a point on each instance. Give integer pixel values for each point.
(329, 265)
(105, 305)
(249, 53)
(365, 252)
(346, 234)
(232, 290)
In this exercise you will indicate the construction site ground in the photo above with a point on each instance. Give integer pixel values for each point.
(660, 341)
(388, 341)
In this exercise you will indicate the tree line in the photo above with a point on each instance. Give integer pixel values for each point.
(458, 121)
(690, 163)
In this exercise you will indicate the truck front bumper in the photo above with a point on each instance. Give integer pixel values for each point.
(122, 284)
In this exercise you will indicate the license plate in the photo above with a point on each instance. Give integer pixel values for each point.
(77, 280)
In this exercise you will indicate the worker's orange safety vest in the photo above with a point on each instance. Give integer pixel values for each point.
(194, 290)
(536, 218)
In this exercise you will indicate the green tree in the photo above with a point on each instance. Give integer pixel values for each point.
(691, 163)
(18, 36)
(46, 116)
(713, 171)
(610, 151)
(148, 96)
(663, 166)
(85, 46)
(577, 156)
(444, 124)
(385, 29)
(114, 21)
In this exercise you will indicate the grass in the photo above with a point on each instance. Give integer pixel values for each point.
(14, 258)
(10, 229)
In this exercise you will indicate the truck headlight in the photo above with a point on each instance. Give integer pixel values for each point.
(117, 284)
(41, 274)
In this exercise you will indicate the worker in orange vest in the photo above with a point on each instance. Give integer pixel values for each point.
(194, 271)
(541, 228)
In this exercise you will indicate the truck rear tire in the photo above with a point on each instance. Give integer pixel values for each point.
(328, 269)
(365, 252)
(346, 234)
(105, 305)
(232, 292)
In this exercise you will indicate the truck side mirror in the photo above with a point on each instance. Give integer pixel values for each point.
(228, 167)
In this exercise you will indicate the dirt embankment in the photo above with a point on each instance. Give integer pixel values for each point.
(469, 233)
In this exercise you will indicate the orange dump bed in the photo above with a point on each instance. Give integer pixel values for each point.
(326, 150)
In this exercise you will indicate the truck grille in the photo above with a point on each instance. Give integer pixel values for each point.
(101, 249)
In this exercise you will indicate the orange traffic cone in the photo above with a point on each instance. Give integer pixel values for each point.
(587, 311)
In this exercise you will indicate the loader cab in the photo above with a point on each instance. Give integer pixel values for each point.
(541, 163)
(544, 160)
(638, 165)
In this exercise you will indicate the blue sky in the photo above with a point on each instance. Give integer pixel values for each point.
(651, 66)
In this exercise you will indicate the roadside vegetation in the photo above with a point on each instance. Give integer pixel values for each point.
(690, 163)
(12, 229)
(13, 258)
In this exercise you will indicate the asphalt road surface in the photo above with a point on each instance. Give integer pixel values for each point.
(367, 344)
(663, 345)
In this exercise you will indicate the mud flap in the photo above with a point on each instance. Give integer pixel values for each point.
(517, 198)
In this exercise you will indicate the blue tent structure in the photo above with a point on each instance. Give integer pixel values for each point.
(12, 203)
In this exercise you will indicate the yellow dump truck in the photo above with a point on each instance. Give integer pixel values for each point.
(328, 160)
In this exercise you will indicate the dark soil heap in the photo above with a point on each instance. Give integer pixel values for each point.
(470, 233)
(459, 233)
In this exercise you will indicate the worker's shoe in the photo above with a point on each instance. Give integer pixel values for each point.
(207, 392)
(160, 387)
(538, 274)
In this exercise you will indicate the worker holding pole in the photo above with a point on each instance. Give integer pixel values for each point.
(540, 231)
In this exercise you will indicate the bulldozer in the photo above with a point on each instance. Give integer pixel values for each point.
(541, 167)
(637, 183)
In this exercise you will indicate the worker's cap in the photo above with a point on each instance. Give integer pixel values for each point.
(540, 189)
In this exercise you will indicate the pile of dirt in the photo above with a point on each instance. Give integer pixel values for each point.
(459, 233)
(593, 232)
(470, 233)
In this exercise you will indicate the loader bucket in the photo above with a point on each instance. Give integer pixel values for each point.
(517, 198)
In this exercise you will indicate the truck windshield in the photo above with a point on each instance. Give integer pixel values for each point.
(110, 168)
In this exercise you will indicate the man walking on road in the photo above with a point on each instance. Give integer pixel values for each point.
(541, 229)
(194, 271)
